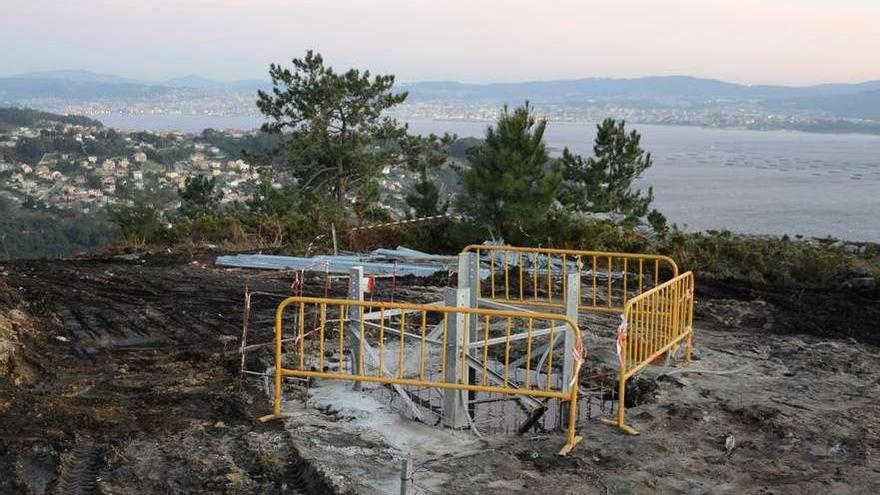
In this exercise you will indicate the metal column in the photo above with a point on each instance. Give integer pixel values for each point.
(455, 401)
(469, 278)
(572, 299)
(356, 293)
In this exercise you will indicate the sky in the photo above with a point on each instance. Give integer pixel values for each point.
(796, 42)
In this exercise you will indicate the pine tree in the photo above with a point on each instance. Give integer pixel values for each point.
(603, 183)
(509, 186)
(199, 196)
(424, 199)
(424, 155)
(330, 123)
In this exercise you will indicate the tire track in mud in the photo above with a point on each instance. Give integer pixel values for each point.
(141, 355)
(80, 469)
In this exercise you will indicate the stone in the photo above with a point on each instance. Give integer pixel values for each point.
(861, 283)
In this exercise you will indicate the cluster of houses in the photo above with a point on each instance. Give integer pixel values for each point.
(72, 180)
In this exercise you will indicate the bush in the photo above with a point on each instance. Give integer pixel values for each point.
(765, 260)
(139, 224)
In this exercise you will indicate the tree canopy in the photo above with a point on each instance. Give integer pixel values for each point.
(510, 185)
(330, 123)
(199, 196)
(603, 183)
(424, 155)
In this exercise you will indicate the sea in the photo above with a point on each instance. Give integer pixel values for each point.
(747, 181)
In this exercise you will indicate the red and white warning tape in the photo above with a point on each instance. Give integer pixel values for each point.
(621, 341)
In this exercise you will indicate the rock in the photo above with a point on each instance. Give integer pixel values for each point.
(129, 257)
(861, 283)
(729, 443)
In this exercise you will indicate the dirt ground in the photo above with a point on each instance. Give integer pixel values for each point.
(122, 377)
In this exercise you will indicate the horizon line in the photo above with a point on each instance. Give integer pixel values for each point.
(135, 80)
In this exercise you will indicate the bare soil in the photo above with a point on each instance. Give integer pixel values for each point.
(138, 388)
(129, 383)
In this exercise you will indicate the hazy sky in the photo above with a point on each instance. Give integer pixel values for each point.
(750, 41)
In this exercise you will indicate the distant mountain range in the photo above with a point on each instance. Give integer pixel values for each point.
(73, 82)
(841, 100)
(861, 105)
(663, 91)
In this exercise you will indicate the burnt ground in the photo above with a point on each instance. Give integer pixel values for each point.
(138, 384)
(132, 386)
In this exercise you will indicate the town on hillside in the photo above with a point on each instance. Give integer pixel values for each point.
(84, 167)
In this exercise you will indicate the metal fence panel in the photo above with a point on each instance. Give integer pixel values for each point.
(653, 323)
(412, 345)
(536, 276)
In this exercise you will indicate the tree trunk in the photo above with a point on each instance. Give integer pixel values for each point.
(340, 182)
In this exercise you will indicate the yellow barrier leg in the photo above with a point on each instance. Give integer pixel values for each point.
(621, 399)
(572, 439)
(276, 402)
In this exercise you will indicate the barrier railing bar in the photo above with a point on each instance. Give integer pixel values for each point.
(610, 271)
(342, 319)
(549, 278)
(382, 342)
(641, 276)
(506, 277)
(485, 347)
(535, 275)
(443, 349)
(549, 359)
(564, 276)
(302, 334)
(400, 368)
(528, 356)
(521, 272)
(507, 350)
(323, 317)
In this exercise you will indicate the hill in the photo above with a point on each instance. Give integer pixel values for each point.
(191, 81)
(586, 90)
(669, 89)
(13, 89)
(198, 82)
(80, 75)
(25, 117)
(864, 105)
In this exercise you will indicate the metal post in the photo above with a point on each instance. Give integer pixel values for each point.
(454, 401)
(356, 293)
(572, 299)
(469, 278)
(404, 475)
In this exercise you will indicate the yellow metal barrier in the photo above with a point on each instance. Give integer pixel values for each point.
(652, 324)
(536, 276)
(402, 344)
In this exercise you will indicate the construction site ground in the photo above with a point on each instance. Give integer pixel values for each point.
(121, 375)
